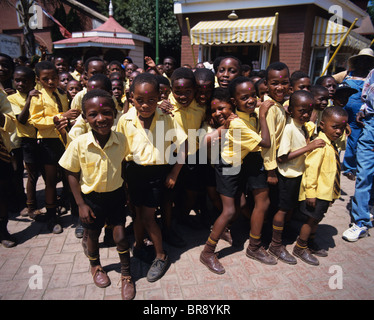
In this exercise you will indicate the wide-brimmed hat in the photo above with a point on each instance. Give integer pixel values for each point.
(345, 88)
(364, 52)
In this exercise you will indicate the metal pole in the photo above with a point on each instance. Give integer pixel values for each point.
(340, 45)
(273, 35)
(189, 34)
(157, 36)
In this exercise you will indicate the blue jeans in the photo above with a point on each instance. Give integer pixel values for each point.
(349, 162)
(364, 176)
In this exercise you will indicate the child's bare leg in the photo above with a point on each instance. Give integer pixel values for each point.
(255, 250)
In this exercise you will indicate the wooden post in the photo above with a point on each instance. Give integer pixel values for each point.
(273, 35)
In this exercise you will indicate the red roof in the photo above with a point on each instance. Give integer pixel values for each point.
(111, 25)
(104, 40)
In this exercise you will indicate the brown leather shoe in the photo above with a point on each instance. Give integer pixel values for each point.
(100, 277)
(127, 288)
(261, 255)
(316, 250)
(281, 253)
(226, 235)
(305, 255)
(211, 261)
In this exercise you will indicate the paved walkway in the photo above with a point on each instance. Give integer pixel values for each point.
(64, 269)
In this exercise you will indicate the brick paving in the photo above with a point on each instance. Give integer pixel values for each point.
(65, 269)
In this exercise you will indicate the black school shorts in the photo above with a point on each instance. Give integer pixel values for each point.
(108, 207)
(51, 150)
(289, 189)
(318, 212)
(30, 150)
(146, 184)
(257, 176)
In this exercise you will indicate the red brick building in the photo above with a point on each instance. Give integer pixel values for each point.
(304, 36)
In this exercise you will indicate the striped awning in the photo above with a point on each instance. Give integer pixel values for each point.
(328, 33)
(237, 31)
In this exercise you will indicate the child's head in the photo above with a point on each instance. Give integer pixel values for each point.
(99, 81)
(220, 106)
(334, 121)
(261, 88)
(117, 89)
(115, 66)
(183, 86)
(277, 78)
(169, 65)
(243, 94)
(246, 70)
(342, 94)
(78, 65)
(93, 66)
(72, 88)
(64, 77)
(321, 97)
(301, 106)
(130, 68)
(165, 88)
(61, 63)
(24, 79)
(204, 85)
(46, 74)
(145, 94)
(6, 68)
(328, 82)
(227, 69)
(116, 76)
(132, 76)
(98, 110)
(299, 80)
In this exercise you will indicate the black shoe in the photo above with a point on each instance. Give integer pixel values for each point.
(158, 269)
(79, 230)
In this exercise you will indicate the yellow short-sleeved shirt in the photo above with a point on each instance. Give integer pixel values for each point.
(241, 138)
(42, 110)
(293, 138)
(153, 146)
(18, 101)
(10, 121)
(76, 75)
(320, 170)
(100, 168)
(276, 121)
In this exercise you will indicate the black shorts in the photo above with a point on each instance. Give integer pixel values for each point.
(31, 150)
(108, 207)
(230, 181)
(189, 176)
(318, 212)
(207, 175)
(51, 150)
(146, 184)
(257, 176)
(289, 189)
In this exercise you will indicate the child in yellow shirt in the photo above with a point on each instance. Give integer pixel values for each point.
(148, 163)
(93, 163)
(320, 184)
(294, 145)
(43, 107)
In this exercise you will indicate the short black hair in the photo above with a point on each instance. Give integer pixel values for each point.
(317, 88)
(145, 78)
(162, 80)
(115, 62)
(221, 94)
(237, 81)
(257, 85)
(320, 80)
(27, 71)
(297, 75)
(98, 93)
(203, 74)
(107, 84)
(296, 95)
(44, 65)
(183, 73)
(11, 62)
(218, 61)
(279, 66)
(89, 60)
(333, 110)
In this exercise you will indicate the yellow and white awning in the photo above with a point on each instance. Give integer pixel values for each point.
(328, 33)
(237, 31)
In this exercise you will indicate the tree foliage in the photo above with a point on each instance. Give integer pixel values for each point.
(139, 16)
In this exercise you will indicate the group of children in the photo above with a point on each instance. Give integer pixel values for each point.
(152, 141)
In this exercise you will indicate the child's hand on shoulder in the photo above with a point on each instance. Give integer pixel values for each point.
(72, 114)
(317, 143)
(231, 117)
(166, 107)
(265, 106)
